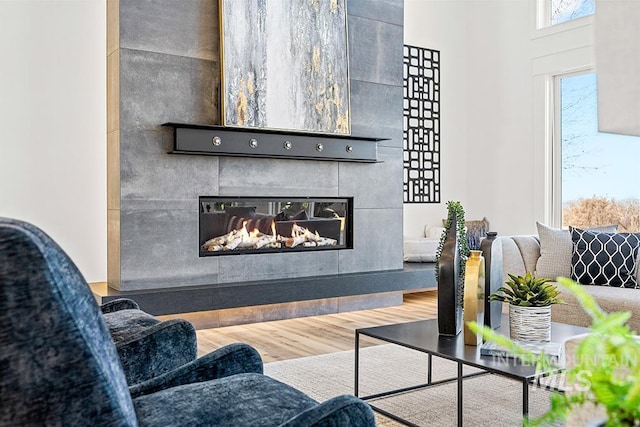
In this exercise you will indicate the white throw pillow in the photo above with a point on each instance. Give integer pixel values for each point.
(420, 249)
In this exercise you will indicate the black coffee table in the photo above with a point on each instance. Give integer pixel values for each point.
(423, 336)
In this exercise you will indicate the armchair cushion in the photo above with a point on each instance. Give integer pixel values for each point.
(249, 400)
(239, 400)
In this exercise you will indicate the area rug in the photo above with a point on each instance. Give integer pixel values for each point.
(489, 400)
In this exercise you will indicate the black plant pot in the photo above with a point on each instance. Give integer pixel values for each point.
(450, 292)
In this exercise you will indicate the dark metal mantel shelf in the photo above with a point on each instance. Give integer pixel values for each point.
(244, 142)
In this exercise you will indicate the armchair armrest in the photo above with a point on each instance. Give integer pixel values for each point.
(345, 410)
(119, 304)
(157, 349)
(229, 360)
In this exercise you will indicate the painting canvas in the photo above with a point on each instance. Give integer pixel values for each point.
(285, 65)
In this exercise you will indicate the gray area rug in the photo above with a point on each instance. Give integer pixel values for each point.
(489, 400)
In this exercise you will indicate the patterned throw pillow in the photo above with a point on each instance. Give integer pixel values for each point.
(604, 258)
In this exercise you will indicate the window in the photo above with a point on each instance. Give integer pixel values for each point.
(553, 12)
(599, 177)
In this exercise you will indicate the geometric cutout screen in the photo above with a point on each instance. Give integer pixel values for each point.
(421, 150)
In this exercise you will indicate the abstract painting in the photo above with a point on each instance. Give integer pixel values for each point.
(285, 65)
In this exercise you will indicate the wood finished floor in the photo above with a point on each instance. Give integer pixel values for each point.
(309, 336)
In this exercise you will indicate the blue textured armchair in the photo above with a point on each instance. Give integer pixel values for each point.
(59, 366)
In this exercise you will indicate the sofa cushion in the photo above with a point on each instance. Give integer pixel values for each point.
(610, 300)
(604, 258)
(556, 250)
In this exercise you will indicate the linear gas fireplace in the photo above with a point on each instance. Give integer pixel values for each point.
(253, 225)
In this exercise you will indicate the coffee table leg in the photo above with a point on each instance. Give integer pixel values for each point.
(357, 363)
(460, 394)
(525, 399)
(429, 377)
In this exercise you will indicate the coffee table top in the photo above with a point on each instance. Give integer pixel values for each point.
(423, 336)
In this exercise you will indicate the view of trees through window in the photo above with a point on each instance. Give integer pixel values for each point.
(600, 173)
(567, 10)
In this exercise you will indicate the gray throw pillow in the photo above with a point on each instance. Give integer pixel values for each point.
(556, 250)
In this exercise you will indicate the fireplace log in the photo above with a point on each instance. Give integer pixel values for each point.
(264, 240)
(216, 241)
(240, 239)
(292, 242)
(231, 245)
(325, 241)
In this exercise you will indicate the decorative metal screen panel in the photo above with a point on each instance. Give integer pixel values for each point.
(421, 125)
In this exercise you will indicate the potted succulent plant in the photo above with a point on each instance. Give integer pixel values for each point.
(604, 371)
(530, 299)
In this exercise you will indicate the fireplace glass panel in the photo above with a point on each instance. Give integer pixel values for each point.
(234, 225)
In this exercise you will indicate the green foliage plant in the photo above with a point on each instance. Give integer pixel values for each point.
(527, 291)
(455, 210)
(605, 370)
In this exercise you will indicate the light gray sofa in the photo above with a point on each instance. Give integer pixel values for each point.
(523, 253)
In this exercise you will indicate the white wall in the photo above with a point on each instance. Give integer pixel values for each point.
(499, 106)
(53, 121)
(494, 76)
(441, 25)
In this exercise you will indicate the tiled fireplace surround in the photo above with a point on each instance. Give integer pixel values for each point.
(163, 66)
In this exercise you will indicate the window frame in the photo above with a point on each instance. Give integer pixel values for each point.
(555, 137)
(542, 21)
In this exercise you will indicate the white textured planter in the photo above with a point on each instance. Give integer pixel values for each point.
(530, 323)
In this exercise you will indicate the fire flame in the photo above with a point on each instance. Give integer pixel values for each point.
(273, 229)
(245, 235)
